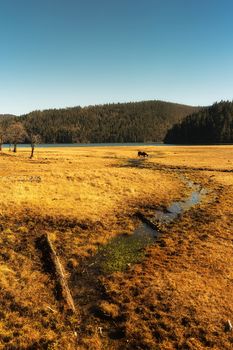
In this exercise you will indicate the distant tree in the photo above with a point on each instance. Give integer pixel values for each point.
(35, 139)
(33, 135)
(16, 134)
(4, 124)
(2, 135)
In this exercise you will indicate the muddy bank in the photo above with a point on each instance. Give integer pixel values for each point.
(128, 249)
(120, 255)
(147, 164)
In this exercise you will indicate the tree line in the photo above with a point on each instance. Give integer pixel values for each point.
(146, 121)
(210, 125)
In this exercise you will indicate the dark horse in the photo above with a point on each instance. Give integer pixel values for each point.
(142, 154)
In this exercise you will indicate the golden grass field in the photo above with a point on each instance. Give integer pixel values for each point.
(179, 296)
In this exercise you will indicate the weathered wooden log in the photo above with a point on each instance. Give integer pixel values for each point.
(228, 326)
(60, 273)
(147, 221)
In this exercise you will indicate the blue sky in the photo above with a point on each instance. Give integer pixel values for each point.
(60, 53)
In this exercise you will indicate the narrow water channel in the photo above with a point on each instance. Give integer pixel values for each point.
(125, 250)
(179, 207)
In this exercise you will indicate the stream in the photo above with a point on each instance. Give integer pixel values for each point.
(125, 250)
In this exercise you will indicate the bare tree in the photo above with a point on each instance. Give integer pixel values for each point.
(16, 134)
(2, 136)
(35, 139)
(4, 124)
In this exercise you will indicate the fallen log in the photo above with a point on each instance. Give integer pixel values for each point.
(147, 221)
(59, 272)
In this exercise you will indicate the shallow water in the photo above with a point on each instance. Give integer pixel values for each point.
(124, 250)
(179, 207)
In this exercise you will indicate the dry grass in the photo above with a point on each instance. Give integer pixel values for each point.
(85, 184)
(210, 157)
(177, 297)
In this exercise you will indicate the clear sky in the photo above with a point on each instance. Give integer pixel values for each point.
(60, 53)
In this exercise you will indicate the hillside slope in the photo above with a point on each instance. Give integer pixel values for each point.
(123, 122)
(209, 125)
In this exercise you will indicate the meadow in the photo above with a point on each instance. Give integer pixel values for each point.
(175, 295)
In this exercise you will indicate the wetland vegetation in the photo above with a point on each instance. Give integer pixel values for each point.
(170, 293)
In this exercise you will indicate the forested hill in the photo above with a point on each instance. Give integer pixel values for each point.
(124, 122)
(210, 125)
(7, 116)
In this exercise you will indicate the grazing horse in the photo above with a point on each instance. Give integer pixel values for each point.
(142, 154)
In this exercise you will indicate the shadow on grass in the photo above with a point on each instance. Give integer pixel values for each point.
(146, 164)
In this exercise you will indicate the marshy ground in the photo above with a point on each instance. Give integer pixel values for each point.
(175, 293)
